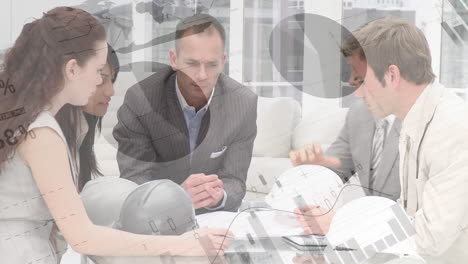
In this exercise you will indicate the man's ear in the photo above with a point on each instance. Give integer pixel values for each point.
(393, 76)
(173, 57)
(72, 69)
(224, 58)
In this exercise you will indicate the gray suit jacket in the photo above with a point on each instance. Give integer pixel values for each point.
(154, 141)
(354, 148)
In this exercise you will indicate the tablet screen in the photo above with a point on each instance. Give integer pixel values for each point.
(307, 240)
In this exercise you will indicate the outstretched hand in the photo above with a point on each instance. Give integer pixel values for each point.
(313, 154)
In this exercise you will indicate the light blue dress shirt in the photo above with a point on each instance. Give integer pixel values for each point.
(193, 119)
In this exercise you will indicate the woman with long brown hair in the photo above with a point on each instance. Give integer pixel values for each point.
(56, 61)
(90, 121)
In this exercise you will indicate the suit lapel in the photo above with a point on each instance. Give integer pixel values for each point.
(204, 126)
(176, 118)
(389, 155)
(210, 130)
(365, 132)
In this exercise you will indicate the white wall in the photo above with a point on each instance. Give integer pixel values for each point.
(331, 9)
(16, 13)
(5, 21)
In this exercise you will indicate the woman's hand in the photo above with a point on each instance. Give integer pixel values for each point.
(204, 242)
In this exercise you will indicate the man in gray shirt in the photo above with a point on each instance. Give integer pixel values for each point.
(190, 123)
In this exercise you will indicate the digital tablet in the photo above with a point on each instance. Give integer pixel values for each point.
(306, 242)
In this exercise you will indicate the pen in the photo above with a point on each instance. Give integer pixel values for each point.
(344, 249)
(225, 236)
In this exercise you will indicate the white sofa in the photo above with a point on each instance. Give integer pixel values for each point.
(280, 128)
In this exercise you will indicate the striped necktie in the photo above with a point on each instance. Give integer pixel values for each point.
(377, 147)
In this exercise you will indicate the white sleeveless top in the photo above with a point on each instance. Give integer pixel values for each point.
(27, 230)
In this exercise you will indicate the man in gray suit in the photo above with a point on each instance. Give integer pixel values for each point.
(190, 123)
(367, 144)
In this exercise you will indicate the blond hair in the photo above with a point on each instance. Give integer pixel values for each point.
(392, 41)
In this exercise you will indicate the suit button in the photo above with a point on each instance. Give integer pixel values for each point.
(359, 167)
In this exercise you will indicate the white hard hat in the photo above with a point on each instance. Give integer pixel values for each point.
(103, 198)
(159, 207)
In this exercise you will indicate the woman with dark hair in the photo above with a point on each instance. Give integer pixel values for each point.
(91, 119)
(94, 111)
(57, 60)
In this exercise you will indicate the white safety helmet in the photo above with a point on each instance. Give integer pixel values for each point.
(159, 207)
(103, 198)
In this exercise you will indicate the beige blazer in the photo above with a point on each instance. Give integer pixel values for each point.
(434, 174)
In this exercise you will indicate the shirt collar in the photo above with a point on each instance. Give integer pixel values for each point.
(421, 111)
(183, 102)
(390, 119)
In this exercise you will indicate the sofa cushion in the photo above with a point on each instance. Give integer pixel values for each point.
(319, 126)
(276, 119)
(106, 156)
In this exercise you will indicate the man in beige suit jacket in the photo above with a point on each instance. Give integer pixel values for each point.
(433, 139)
